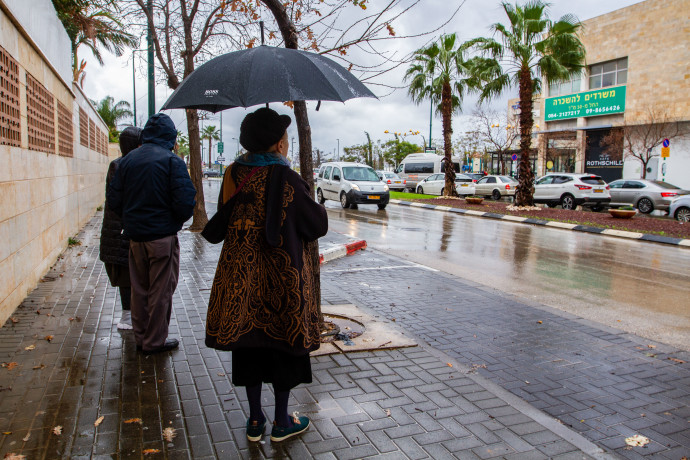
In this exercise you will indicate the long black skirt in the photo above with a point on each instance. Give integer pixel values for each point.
(252, 366)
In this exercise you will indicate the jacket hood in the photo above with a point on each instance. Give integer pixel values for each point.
(160, 130)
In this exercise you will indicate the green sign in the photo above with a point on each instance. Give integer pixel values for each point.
(588, 104)
(220, 147)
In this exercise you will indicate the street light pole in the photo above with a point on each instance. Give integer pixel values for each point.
(149, 43)
(134, 84)
(338, 149)
(238, 147)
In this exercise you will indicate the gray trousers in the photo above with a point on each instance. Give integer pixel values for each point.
(154, 267)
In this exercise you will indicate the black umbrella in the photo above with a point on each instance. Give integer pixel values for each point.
(265, 74)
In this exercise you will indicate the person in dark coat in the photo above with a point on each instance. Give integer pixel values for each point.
(154, 195)
(264, 299)
(114, 248)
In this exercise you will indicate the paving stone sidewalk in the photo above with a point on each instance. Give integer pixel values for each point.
(65, 364)
(602, 382)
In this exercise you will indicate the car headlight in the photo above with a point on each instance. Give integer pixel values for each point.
(355, 187)
(385, 188)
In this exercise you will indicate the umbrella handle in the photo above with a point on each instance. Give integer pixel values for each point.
(261, 24)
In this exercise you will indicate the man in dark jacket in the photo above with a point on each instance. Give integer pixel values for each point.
(154, 195)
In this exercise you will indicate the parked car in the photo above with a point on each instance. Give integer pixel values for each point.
(393, 181)
(416, 167)
(351, 184)
(210, 173)
(495, 186)
(434, 184)
(680, 208)
(571, 190)
(645, 195)
(475, 176)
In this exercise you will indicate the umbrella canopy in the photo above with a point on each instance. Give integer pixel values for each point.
(265, 74)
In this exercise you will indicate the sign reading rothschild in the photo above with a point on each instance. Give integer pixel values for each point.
(588, 104)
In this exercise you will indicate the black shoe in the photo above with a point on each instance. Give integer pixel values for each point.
(170, 344)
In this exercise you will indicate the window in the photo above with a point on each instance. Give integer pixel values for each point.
(358, 173)
(593, 180)
(336, 174)
(483, 180)
(490, 180)
(566, 87)
(327, 174)
(608, 74)
(321, 171)
(561, 179)
(456, 166)
(665, 185)
(424, 168)
(506, 179)
(633, 184)
(617, 184)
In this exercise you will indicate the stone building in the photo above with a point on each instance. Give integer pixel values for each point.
(638, 62)
(54, 148)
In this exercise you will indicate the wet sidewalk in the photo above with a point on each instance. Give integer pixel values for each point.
(73, 386)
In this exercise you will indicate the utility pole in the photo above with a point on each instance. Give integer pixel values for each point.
(149, 43)
(338, 149)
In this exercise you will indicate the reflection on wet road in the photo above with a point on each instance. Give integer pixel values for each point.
(639, 287)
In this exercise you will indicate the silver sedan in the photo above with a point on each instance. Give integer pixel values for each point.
(645, 195)
(680, 208)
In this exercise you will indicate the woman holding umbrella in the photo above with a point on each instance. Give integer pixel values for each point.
(263, 305)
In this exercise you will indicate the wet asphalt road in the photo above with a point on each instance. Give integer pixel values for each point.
(642, 288)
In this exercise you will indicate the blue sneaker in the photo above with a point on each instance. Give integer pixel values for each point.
(299, 426)
(255, 430)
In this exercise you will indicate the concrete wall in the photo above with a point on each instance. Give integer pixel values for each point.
(44, 197)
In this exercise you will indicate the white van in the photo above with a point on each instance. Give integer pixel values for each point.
(351, 184)
(418, 166)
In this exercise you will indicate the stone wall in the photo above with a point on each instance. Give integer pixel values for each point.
(654, 35)
(47, 193)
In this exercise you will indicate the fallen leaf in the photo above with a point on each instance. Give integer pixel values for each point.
(30, 347)
(57, 431)
(651, 346)
(14, 320)
(676, 360)
(7, 432)
(49, 338)
(71, 319)
(26, 438)
(539, 322)
(388, 412)
(38, 312)
(449, 365)
(169, 434)
(151, 451)
(637, 441)
(40, 366)
(98, 421)
(220, 374)
(134, 420)
(11, 456)
(651, 355)
(10, 366)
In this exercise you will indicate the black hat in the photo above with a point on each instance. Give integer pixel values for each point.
(261, 129)
(130, 138)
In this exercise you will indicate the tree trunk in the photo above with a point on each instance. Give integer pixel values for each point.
(524, 194)
(200, 218)
(446, 117)
(644, 167)
(289, 34)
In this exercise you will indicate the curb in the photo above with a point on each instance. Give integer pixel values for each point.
(341, 250)
(684, 242)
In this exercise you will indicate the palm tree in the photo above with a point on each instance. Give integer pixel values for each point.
(112, 114)
(94, 24)
(437, 73)
(182, 145)
(532, 47)
(212, 134)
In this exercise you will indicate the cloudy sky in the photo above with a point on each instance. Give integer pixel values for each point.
(348, 122)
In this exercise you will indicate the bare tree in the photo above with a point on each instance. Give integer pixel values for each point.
(497, 131)
(184, 33)
(640, 140)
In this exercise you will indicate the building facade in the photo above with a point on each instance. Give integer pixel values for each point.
(54, 148)
(637, 73)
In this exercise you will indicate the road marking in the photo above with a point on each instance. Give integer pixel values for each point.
(389, 267)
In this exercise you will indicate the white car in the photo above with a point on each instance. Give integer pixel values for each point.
(496, 186)
(351, 184)
(680, 208)
(393, 181)
(572, 190)
(434, 184)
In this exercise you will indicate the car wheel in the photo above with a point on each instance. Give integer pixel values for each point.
(381, 206)
(344, 202)
(420, 190)
(683, 214)
(568, 202)
(645, 205)
(319, 196)
(496, 195)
